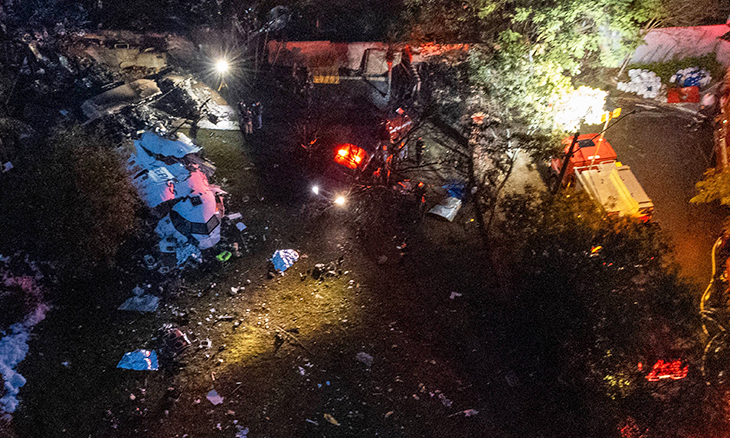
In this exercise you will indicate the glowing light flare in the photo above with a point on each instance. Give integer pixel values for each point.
(350, 156)
(667, 370)
(340, 200)
(222, 66)
(584, 104)
(315, 190)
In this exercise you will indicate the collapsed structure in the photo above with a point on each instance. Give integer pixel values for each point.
(172, 180)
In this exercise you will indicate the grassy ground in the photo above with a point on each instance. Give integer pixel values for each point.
(284, 356)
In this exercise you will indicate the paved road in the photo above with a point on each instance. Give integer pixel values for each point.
(668, 158)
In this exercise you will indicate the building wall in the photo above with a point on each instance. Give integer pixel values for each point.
(312, 53)
(683, 42)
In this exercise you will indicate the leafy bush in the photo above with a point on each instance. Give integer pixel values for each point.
(71, 202)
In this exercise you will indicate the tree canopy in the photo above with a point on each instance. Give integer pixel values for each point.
(72, 203)
(714, 187)
(599, 304)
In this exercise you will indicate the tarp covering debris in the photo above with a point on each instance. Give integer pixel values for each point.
(447, 209)
(284, 258)
(139, 360)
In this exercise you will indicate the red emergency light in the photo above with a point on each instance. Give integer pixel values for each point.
(667, 370)
(350, 155)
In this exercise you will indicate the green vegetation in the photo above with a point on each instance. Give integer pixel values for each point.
(233, 170)
(73, 203)
(714, 187)
(598, 296)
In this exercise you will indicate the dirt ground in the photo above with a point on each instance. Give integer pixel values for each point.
(290, 355)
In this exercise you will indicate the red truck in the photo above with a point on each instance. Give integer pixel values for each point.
(593, 167)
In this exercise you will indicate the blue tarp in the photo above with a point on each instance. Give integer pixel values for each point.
(284, 258)
(139, 360)
(455, 188)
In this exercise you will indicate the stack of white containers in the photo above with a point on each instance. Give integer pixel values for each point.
(645, 83)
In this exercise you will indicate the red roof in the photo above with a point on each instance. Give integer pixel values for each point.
(588, 147)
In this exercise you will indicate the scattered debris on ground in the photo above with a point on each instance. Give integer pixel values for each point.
(364, 359)
(140, 302)
(283, 259)
(214, 398)
(170, 180)
(139, 360)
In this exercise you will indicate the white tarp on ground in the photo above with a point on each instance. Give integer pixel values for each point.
(682, 42)
(447, 209)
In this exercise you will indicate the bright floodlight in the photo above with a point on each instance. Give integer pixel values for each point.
(315, 190)
(340, 200)
(221, 66)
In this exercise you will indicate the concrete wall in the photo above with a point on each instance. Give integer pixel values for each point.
(341, 55)
(683, 42)
(369, 56)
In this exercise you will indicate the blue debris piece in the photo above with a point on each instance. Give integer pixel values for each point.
(455, 188)
(284, 258)
(139, 360)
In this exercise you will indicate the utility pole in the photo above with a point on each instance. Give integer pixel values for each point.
(566, 160)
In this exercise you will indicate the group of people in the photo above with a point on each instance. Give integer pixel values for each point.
(250, 115)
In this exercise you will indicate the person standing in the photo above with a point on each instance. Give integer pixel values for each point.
(242, 116)
(258, 114)
(248, 121)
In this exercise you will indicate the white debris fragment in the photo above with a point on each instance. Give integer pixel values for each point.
(364, 359)
(214, 398)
